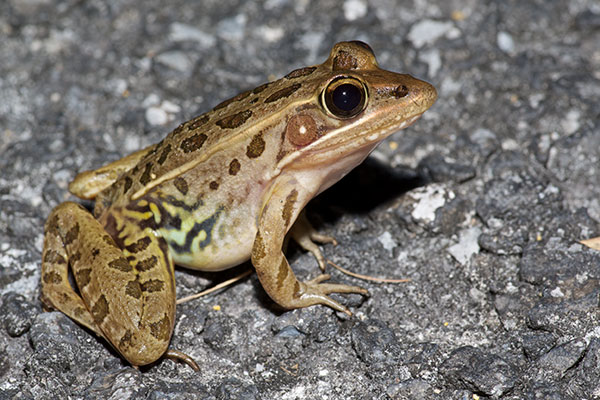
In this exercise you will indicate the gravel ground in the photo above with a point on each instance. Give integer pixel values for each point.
(481, 203)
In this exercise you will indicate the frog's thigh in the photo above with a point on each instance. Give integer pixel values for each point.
(129, 294)
(273, 269)
(88, 184)
(57, 293)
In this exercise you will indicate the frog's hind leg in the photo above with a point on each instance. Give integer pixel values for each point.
(126, 296)
(88, 184)
(57, 292)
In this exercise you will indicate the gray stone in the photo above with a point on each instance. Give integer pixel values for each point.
(233, 388)
(564, 356)
(512, 144)
(411, 389)
(375, 343)
(537, 344)
(17, 313)
(472, 369)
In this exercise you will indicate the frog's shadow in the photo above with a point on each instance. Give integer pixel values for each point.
(366, 187)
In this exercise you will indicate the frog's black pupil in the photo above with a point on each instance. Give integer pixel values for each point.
(346, 97)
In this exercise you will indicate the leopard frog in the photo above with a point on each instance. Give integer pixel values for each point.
(222, 188)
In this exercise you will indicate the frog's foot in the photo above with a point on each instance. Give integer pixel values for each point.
(305, 235)
(177, 355)
(314, 292)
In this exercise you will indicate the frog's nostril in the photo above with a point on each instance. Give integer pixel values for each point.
(400, 91)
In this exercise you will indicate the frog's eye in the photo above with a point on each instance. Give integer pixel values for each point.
(344, 97)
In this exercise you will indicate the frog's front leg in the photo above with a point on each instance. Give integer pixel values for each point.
(279, 211)
(305, 235)
(127, 295)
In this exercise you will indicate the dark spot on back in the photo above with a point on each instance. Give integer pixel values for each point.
(197, 122)
(52, 226)
(297, 73)
(214, 185)
(285, 92)
(260, 88)
(127, 182)
(177, 131)
(146, 175)
(232, 100)
(164, 154)
(181, 185)
(153, 150)
(235, 120)
(234, 167)
(193, 142)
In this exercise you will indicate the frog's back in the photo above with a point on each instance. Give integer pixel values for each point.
(227, 124)
(224, 127)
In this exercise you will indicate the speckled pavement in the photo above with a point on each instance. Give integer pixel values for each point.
(481, 203)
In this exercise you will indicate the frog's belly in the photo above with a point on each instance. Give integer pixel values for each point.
(212, 244)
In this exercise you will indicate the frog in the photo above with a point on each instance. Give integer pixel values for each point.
(225, 187)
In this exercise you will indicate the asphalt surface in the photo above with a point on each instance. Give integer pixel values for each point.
(481, 203)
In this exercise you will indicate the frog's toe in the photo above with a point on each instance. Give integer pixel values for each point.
(307, 237)
(327, 288)
(316, 292)
(323, 239)
(177, 355)
(307, 244)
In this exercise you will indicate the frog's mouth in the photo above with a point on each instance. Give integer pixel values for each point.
(354, 144)
(390, 110)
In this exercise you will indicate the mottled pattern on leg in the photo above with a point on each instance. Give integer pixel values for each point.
(57, 292)
(126, 296)
(273, 269)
